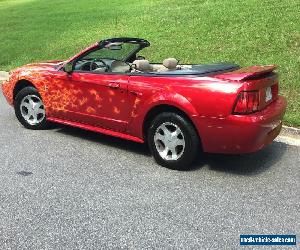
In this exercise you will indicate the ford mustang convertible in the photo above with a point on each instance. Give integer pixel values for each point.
(180, 110)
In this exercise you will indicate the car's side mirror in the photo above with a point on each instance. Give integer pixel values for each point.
(68, 67)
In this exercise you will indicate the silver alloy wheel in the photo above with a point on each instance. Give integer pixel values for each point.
(32, 109)
(169, 141)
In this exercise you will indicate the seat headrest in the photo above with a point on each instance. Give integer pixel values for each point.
(170, 63)
(142, 65)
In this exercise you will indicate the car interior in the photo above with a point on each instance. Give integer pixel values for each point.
(169, 64)
(137, 66)
(120, 57)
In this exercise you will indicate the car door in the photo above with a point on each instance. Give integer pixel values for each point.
(92, 98)
(94, 90)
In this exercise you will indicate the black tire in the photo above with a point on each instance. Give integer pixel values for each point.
(28, 91)
(192, 146)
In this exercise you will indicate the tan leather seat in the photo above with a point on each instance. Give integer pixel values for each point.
(169, 64)
(119, 67)
(142, 65)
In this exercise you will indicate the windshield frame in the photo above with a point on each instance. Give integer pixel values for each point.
(98, 45)
(124, 57)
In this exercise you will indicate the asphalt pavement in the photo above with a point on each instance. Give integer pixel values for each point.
(65, 188)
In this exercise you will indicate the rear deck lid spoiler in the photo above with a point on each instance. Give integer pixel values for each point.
(247, 73)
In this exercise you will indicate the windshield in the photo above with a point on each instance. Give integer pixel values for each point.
(121, 53)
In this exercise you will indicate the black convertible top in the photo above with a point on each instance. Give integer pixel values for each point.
(203, 69)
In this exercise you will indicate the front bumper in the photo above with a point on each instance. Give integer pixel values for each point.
(7, 90)
(238, 134)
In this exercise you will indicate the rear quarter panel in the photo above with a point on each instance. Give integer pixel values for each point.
(205, 100)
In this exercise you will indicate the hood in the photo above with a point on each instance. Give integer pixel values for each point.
(52, 63)
(47, 65)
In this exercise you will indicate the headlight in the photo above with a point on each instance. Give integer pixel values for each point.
(4, 76)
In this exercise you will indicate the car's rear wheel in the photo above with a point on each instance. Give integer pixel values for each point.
(30, 109)
(173, 141)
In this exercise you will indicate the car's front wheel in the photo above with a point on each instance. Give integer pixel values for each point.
(173, 141)
(30, 109)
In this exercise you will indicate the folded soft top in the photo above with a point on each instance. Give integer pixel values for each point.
(203, 69)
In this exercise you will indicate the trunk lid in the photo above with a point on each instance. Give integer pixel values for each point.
(260, 79)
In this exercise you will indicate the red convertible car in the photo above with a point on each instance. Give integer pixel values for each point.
(180, 110)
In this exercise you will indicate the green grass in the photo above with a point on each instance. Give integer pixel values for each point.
(194, 31)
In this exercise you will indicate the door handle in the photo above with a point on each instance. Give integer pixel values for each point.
(114, 85)
(135, 93)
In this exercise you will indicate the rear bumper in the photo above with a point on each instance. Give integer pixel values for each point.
(238, 134)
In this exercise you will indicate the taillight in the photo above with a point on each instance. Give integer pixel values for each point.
(247, 102)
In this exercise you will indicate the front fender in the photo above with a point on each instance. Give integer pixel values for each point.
(35, 79)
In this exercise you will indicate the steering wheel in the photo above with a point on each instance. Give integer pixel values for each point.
(94, 65)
